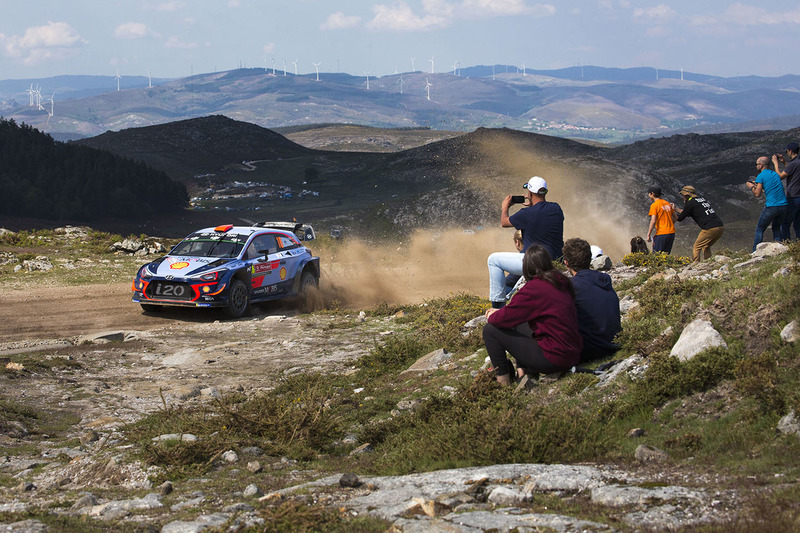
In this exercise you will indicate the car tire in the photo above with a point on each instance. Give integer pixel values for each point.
(151, 308)
(238, 299)
(307, 281)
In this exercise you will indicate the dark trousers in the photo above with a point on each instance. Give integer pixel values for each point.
(663, 243)
(522, 347)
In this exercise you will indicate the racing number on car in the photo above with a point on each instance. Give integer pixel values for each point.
(163, 289)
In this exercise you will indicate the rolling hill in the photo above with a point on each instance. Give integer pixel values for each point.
(609, 105)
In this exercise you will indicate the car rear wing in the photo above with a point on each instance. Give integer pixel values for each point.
(304, 232)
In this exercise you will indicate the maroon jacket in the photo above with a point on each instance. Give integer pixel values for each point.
(551, 315)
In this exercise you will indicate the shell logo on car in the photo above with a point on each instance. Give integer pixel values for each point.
(283, 273)
(179, 265)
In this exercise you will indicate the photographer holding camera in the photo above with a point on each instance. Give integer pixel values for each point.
(540, 221)
(790, 173)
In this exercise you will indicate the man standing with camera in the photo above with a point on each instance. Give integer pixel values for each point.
(541, 222)
(790, 173)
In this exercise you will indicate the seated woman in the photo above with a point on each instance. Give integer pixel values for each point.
(545, 305)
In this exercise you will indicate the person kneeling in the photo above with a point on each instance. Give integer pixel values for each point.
(538, 326)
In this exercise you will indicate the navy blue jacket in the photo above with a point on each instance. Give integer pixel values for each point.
(598, 313)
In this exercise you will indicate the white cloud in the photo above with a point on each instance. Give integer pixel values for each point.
(131, 30)
(400, 17)
(234, 3)
(55, 40)
(177, 42)
(441, 13)
(659, 13)
(340, 21)
(745, 15)
(269, 48)
(503, 8)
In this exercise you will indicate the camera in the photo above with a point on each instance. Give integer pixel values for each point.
(517, 199)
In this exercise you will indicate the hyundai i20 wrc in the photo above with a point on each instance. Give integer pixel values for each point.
(231, 267)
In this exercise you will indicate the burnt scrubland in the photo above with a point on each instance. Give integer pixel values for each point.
(346, 394)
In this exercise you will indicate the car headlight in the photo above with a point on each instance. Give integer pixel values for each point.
(144, 272)
(209, 276)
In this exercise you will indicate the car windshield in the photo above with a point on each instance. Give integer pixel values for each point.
(210, 245)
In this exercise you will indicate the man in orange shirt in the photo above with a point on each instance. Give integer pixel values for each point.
(662, 219)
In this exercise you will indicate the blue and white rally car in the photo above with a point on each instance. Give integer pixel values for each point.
(231, 267)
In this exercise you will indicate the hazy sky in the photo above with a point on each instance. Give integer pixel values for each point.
(173, 38)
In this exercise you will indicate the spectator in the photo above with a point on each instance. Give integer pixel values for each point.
(596, 302)
(790, 173)
(769, 182)
(539, 326)
(512, 279)
(700, 210)
(662, 219)
(541, 222)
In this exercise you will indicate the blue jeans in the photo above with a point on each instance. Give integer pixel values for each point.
(663, 243)
(770, 215)
(500, 263)
(792, 218)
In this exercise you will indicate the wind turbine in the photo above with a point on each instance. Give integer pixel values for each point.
(316, 66)
(295, 66)
(454, 69)
(284, 67)
(524, 73)
(273, 66)
(681, 73)
(30, 92)
(431, 60)
(367, 74)
(413, 68)
(149, 80)
(401, 84)
(428, 88)
(39, 99)
(52, 109)
(118, 78)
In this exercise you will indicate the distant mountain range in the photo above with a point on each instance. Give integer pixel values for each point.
(239, 171)
(601, 104)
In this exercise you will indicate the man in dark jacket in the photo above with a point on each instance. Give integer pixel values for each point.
(596, 301)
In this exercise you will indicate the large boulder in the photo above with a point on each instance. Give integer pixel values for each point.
(697, 336)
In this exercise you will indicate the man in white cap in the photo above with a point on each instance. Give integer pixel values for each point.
(541, 222)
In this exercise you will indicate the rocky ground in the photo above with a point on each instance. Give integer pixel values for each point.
(101, 378)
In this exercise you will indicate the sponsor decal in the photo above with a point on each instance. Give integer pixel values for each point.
(262, 269)
(283, 273)
(179, 265)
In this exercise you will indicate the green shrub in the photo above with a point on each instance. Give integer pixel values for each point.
(655, 259)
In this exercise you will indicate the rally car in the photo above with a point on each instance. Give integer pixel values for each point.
(231, 267)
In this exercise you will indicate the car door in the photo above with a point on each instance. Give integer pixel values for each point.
(263, 265)
(290, 255)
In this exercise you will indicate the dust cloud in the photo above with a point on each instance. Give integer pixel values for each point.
(440, 263)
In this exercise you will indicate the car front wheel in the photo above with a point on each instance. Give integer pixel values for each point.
(308, 281)
(238, 299)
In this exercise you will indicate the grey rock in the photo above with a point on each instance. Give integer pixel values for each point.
(623, 366)
(25, 526)
(252, 491)
(602, 262)
(253, 451)
(791, 333)
(183, 437)
(349, 480)
(789, 424)
(26, 486)
(120, 508)
(620, 496)
(627, 303)
(188, 504)
(769, 249)
(513, 520)
(87, 500)
(525, 384)
(240, 507)
(636, 432)
(409, 405)
(364, 448)
(13, 507)
(165, 488)
(697, 336)
(254, 467)
(507, 496)
(429, 362)
(476, 322)
(230, 457)
(649, 454)
(198, 524)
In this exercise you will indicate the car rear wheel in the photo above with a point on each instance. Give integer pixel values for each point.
(151, 308)
(238, 299)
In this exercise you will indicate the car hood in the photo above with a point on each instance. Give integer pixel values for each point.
(183, 266)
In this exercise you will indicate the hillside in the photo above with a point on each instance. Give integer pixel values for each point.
(45, 179)
(608, 105)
